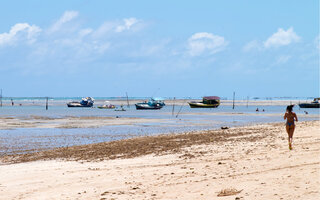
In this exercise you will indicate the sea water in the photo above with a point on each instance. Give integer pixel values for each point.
(183, 119)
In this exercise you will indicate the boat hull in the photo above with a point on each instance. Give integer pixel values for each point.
(309, 105)
(78, 105)
(120, 109)
(202, 105)
(145, 106)
(105, 107)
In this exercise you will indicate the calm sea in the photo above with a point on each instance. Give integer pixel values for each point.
(183, 119)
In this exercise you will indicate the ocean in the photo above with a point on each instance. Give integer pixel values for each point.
(164, 121)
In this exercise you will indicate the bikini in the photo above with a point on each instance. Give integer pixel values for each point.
(291, 119)
(290, 123)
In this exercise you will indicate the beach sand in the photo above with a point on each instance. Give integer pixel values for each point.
(70, 122)
(251, 162)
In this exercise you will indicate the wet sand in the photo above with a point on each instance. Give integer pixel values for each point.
(70, 122)
(31, 133)
(35, 121)
(251, 162)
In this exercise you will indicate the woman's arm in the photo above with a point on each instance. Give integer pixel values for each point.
(285, 116)
(295, 116)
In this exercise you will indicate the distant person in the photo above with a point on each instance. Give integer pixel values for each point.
(262, 110)
(257, 110)
(305, 112)
(12, 103)
(290, 126)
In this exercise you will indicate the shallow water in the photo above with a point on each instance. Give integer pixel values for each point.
(188, 119)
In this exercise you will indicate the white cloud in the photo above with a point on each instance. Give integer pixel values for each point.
(66, 17)
(253, 45)
(281, 38)
(283, 59)
(67, 42)
(205, 43)
(101, 48)
(105, 28)
(111, 27)
(20, 31)
(128, 23)
(85, 32)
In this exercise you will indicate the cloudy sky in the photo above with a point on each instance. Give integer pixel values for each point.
(166, 48)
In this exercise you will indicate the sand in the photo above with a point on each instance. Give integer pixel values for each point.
(70, 122)
(253, 163)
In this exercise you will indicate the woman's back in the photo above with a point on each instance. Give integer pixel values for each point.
(290, 116)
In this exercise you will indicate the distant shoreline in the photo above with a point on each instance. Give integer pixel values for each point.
(123, 101)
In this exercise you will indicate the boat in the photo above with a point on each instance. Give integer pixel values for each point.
(314, 104)
(107, 105)
(85, 102)
(120, 109)
(152, 104)
(207, 102)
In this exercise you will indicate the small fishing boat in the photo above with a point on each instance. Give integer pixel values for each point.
(207, 102)
(85, 102)
(120, 109)
(314, 104)
(152, 104)
(107, 105)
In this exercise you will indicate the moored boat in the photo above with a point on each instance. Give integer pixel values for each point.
(314, 104)
(152, 104)
(85, 102)
(120, 109)
(107, 105)
(207, 102)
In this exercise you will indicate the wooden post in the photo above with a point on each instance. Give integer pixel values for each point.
(180, 108)
(173, 105)
(234, 94)
(1, 98)
(247, 101)
(46, 103)
(128, 105)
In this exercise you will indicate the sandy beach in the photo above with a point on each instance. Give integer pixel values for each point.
(159, 100)
(251, 162)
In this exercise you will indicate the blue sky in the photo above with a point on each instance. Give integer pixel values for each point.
(173, 49)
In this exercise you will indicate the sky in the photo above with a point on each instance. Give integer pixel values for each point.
(165, 48)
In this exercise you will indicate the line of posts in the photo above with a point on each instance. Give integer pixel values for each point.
(47, 100)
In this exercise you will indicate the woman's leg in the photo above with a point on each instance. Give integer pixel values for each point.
(291, 131)
(288, 131)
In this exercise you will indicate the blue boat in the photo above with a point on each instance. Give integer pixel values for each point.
(152, 104)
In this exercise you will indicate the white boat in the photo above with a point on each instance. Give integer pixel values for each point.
(85, 102)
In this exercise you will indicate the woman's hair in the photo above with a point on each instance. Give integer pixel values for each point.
(289, 108)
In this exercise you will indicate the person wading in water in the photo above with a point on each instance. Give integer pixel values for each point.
(290, 126)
